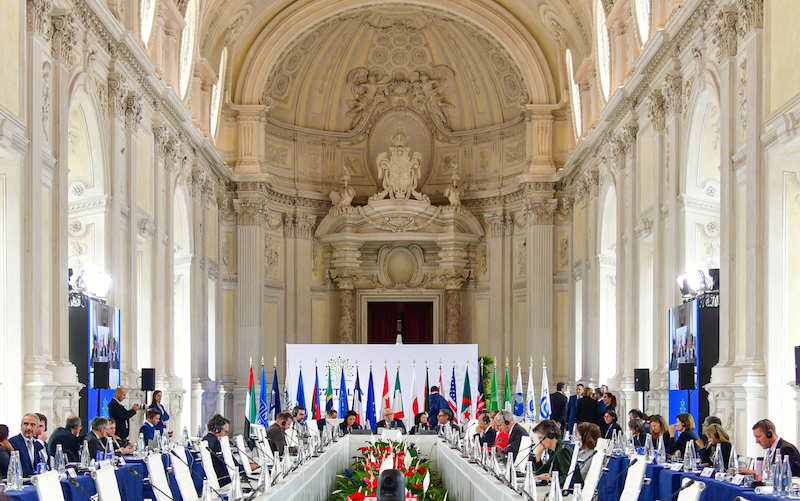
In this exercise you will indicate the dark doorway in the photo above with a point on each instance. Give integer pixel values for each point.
(414, 320)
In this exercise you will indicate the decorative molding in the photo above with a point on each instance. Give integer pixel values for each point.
(117, 92)
(64, 38)
(644, 227)
(657, 110)
(672, 90)
(725, 34)
(751, 16)
(133, 111)
(38, 17)
(250, 212)
(691, 202)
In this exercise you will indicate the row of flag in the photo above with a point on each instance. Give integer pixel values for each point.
(269, 405)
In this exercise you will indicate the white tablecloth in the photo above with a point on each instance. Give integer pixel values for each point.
(314, 481)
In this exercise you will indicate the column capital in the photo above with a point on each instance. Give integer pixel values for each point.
(64, 38)
(725, 34)
(751, 16)
(133, 111)
(38, 15)
(657, 110)
(672, 90)
(540, 212)
(250, 212)
(453, 278)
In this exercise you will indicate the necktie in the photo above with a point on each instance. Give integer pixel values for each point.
(31, 450)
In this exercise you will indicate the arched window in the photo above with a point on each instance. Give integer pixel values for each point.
(603, 49)
(187, 47)
(216, 94)
(643, 20)
(575, 92)
(147, 15)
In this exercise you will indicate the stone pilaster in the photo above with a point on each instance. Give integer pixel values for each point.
(539, 139)
(539, 217)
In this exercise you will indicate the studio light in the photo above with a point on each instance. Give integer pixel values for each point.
(93, 283)
(694, 283)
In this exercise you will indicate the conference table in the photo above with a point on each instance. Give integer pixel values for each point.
(131, 486)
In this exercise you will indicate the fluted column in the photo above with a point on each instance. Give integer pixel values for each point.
(540, 215)
(500, 251)
(588, 188)
(251, 217)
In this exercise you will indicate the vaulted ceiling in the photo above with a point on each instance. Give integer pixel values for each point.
(318, 63)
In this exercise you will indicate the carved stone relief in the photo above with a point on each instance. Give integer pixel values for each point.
(400, 173)
(271, 257)
(521, 258)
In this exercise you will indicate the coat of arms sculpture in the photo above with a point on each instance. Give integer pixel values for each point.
(399, 173)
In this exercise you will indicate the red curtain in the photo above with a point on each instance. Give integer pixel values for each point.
(417, 322)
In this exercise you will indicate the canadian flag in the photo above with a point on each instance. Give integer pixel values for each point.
(385, 403)
(414, 398)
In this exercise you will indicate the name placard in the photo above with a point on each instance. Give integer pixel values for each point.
(676, 467)
(72, 473)
(737, 479)
(707, 472)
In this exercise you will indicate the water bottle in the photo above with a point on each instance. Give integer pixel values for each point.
(185, 437)
(733, 462)
(60, 462)
(661, 453)
(109, 449)
(777, 472)
(13, 477)
(574, 432)
(689, 457)
(786, 477)
(140, 446)
(85, 454)
(157, 440)
(207, 494)
(719, 462)
(577, 494)
(648, 449)
(41, 465)
(766, 469)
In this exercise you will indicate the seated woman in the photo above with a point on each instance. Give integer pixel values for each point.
(636, 426)
(111, 434)
(349, 423)
(588, 433)
(549, 435)
(685, 425)
(610, 418)
(5, 451)
(420, 423)
(717, 438)
(658, 430)
(485, 433)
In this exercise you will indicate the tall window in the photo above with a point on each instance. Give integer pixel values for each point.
(147, 15)
(216, 94)
(575, 92)
(643, 20)
(603, 49)
(187, 47)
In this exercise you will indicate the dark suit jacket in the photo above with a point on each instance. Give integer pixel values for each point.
(790, 450)
(436, 402)
(488, 437)
(440, 427)
(558, 406)
(610, 429)
(572, 412)
(149, 432)
(69, 444)
(560, 460)
(395, 424)
(95, 444)
(162, 424)
(587, 411)
(219, 464)
(277, 438)
(18, 443)
(514, 439)
(345, 431)
(121, 415)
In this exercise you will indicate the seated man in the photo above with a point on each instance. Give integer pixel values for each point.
(276, 433)
(330, 414)
(766, 436)
(67, 437)
(218, 426)
(148, 428)
(300, 427)
(389, 422)
(95, 437)
(445, 418)
(505, 422)
(549, 433)
(111, 435)
(29, 448)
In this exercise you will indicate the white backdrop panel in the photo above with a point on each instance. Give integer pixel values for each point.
(340, 356)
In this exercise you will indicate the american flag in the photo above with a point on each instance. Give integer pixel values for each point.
(452, 397)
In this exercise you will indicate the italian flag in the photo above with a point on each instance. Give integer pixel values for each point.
(398, 397)
(250, 404)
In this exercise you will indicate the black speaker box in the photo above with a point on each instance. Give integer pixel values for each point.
(100, 375)
(391, 486)
(797, 365)
(641, 379)
(148, 379)
(686, 376)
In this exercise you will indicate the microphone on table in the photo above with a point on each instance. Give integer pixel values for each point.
(609, 484)
(75, 484)
(685, 486)
(147, 481)
(194, 473)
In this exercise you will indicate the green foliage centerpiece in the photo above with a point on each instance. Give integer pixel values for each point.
(361, 481)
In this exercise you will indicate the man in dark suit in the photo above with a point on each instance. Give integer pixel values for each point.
(218, 426)
(68, 438)
(330, 414)
(120, 414)
(505, 421)
(445, 418)
(390, 422)
(27, 445)
(558, 404)
(276, 433)
(572, 407)
(96, 436)
(436, 402)
(148, 429)
(766, 436)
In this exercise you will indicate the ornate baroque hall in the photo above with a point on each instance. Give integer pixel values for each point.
(253, 174)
